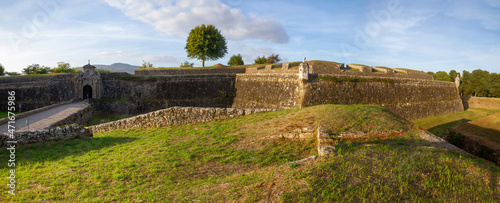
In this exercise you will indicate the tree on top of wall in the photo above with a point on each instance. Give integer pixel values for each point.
(63, 67)
(36, 69)
(2, 70)
(236, 60)
(443, 76)
(205, 42)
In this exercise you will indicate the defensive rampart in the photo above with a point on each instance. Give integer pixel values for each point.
(49, 134)
(481, 102)
(36, 92)
(188, 71)
(139, 94)
(410, 94)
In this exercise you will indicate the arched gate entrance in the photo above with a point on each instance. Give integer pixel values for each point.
(87, 92)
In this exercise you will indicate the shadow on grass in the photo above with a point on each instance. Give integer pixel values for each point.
(441, 129)
(59, 149)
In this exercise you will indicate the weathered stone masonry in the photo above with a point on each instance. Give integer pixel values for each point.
(174, 116)
(49, 134)
(409, 94)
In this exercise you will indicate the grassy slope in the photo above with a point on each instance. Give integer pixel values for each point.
(3, 114)
(232, 161)
(486, 129)
(438, 125)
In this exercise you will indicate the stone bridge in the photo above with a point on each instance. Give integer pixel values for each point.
(50, 116)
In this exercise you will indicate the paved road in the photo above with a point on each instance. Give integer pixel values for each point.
(45, 118)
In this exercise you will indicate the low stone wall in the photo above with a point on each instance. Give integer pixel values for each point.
(81, 117)
(174, 116)
(189, 71)
(35, 111)
(275, 68)
(49, 134)
(472, 145)
(367, 71)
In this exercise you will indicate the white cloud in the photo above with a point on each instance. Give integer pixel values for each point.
(489, 18)
(179, 17)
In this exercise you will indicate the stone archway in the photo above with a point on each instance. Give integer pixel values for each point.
(88, 83)
(87, 92)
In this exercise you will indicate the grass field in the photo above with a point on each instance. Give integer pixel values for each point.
(438, 125)
(4, 114)
(232, 160)
(486, 129)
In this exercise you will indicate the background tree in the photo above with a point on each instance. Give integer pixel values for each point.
(453, 74)
(2, 70)
(236, 60)
(36, 69)
(63, 68)
(270, 59)
(443, 76)
(146, 65)
(273, 58)
(464, 87)
(260, 60)
(12, 73)
(432, 73)
(186, 64)
(206, 43)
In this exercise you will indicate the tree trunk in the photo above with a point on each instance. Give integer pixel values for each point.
(203, 63)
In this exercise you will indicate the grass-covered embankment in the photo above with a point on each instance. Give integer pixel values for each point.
(438, 125)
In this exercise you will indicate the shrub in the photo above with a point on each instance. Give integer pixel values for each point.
(146, 65)
(186, 64)
(270, 59)
(236, 60)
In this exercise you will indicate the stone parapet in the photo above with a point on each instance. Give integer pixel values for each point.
(35, 111)
(48, 134)
(174, 116)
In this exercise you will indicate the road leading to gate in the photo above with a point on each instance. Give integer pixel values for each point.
(46, 118)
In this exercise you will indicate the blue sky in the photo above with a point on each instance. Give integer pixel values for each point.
(428, 35)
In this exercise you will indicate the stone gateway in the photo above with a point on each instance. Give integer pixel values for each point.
(88, 83)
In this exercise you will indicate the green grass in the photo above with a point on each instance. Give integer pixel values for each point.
(96, 120)
(4, 114)
(231, 160)
(395, 170)
(438, 125)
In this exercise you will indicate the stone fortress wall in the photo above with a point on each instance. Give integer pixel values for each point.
(410, 94)
(36, 92)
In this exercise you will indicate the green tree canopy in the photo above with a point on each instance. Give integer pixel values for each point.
(205, 42)
(453, 74)
(273, 58)
(2, 70)
(36, 69)
(236, 60)
(63, 68)
(480, 83)
(186, 64)
(443, 76)
(146, 65)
